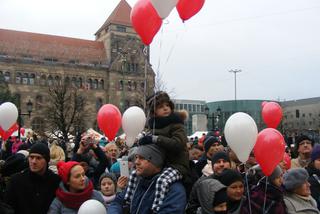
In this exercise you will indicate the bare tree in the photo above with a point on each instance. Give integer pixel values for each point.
(65, 110)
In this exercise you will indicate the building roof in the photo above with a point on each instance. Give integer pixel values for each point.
(301, 102)
(120, 15)
(41, 46)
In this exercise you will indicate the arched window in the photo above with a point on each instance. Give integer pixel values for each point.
(57, 80)
(50, 80)
(101, 84)
(74, 81)
(120, 85)
(142, 86)
(37, 124)
(95, 84)
(39, 102)
(79, 82)
(43, 80)
(31, 79)
(7, 76)
(89, 84)
(98, 103)
(18, 78)
(66, 80)
(134, 86)
(25, 79)
(129, 85)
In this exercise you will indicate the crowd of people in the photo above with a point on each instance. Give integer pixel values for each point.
(169, 173)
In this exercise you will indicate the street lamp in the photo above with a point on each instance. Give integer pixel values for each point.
(29, 109)
(206, 111)
(218, 117)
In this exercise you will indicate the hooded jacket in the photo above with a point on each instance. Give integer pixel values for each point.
(206, 193)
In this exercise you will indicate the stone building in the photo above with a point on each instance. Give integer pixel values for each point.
(115, 68)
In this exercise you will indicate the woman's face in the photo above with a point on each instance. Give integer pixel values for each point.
(235, 191)
(278, 181)
(317, 163)
(107, 187)
(303, 190)
(77, 179)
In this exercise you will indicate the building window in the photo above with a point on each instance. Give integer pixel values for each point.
(303, 115)
(121, 28)
(7, 76)
(37, 124)
(43, 80)
(79, 82)
(98, 104)
(89, 84)
(31, 79)
(74, 81)
(310, 114)
(25, 79)
(142, 86)
(120, 85)
(297, 113)
(129, 85)
(101, 84)
(18, 78)
(95, 84)
(57, 80)
(67, 80)
(50, 80)
(134, 86)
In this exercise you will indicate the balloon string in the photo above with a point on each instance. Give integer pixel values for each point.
(248, 192)
(175, 42)
(265, 196)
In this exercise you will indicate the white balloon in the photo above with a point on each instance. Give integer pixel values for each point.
(92, 206)
(133, 122)
(164, 7)
(241, 133)
(8, 115)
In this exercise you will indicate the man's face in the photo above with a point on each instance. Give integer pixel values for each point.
(163, 110)
(216, 147)
(220, 165)
(144, 167)
(305, 147)
(37, 163)
(112, 152)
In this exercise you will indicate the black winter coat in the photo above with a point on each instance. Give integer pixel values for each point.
(29, 193)
(314, 180)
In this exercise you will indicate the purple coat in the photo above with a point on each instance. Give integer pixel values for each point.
(274, 200)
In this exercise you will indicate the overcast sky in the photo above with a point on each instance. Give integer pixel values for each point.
(276, 44)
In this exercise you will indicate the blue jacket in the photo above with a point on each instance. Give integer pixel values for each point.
(174, 202)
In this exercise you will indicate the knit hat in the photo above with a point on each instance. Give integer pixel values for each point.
(42, 149)
(275, 174)
(302, 138)
(209, 141)
(315, 153)
(229, 176)
(112, 176)
(64, 169)
(157, 99)
(220, 155)
(152, 153)
(220, 197)
(294, 178)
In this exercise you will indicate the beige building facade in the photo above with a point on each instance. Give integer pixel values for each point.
(115, 68)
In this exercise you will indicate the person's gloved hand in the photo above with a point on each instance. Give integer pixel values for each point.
(148, 139)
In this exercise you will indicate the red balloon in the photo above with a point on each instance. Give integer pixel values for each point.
(272, 114)
(145, 20)
(189, 8)
(109, 120)
(22, 131)
(269, 149)
(287, 160)
(6, 134)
